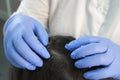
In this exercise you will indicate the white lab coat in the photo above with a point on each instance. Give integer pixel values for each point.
(76, 17)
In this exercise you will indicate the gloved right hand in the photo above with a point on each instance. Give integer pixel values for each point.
(24, 40)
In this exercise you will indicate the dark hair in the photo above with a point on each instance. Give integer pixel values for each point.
(59, 67)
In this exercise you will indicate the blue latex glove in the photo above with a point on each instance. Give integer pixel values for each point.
(91, 51)
(24, 40)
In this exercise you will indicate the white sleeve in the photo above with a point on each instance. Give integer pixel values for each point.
(37, 9)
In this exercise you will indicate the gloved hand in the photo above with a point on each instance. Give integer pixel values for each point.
(91, 51)
(24, 40)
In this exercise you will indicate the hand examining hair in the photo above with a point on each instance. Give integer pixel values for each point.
(24, 40)
(92, 51)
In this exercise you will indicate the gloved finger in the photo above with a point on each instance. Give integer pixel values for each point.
(97, 74)
(16, 58)
(6, 43)
(11, 60)
(90, 49)
(80, 42)
(24, 50)
(35, 44)
(41, 33)
(95, 60)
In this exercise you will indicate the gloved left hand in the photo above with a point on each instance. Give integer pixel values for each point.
(91, 51)
(24, 42)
